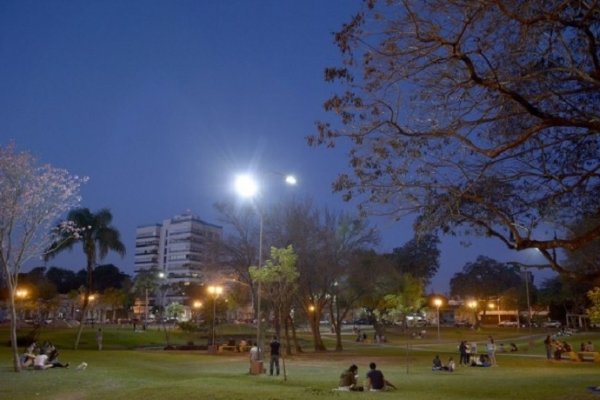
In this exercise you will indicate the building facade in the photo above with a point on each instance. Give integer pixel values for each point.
(182, 248)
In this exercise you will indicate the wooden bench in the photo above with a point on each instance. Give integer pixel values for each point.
(593, 356)
(571, 355)
(242, 349)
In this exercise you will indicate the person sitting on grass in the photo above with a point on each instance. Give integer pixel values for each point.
(348, 379)
(29, 355)
(375, 380)
(53, 360)
(437, 363)
(481, 361)
(451, 366)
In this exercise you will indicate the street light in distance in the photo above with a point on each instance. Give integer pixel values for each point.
(437, 302)
(215, 291)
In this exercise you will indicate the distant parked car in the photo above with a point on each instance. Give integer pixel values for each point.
(508, 322)
(462, 323)
(551, 324)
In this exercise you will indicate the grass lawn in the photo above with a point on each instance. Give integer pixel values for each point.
(123, 372)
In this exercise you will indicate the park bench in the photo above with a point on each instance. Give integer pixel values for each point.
(571, 355)
(593, 356)
(226, 347)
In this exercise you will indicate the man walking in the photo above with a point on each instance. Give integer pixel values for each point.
(274, 355)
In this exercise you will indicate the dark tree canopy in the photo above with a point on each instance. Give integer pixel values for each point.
(65, 280)
(419, 257)
(484, 278)
(109, 276)
(482, 117)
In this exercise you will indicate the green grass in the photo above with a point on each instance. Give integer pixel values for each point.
(128, 370)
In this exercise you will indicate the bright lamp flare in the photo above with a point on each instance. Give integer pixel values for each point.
(291, 180)
(246, 186)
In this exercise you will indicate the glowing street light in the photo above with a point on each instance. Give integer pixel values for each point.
(215, 291)
(472, 304)
(493, 306)
(197, 306)
(22, 293)
(248, 187)
(437, 302)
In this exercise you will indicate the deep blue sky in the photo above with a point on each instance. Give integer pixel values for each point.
(160, 103)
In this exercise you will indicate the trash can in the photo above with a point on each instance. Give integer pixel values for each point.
(256, 367)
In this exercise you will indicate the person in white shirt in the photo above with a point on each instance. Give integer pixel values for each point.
(41, 362)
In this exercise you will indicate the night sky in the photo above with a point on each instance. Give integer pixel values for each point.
(161, 103)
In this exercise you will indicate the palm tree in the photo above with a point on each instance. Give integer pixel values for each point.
(98, 237)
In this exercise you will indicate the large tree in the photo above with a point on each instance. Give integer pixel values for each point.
(484, 278)
(419, 257)
(239, 249)
(97, 236)
(480, 116)
(32, 197)
(279, 281)
(325, 243)
(65, 280)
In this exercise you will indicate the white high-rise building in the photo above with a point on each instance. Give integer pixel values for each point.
(182, 247)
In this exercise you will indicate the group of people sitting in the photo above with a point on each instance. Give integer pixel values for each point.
(482, 361)
(438, 366)
(375, 381)
(589, 346)
(41, 357)
(560, 348)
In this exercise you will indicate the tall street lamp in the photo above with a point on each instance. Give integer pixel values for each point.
(472, 304)
(215, 291)
(197, 307)
(21, 294)
(437, 302)
(524, 268)
(248, 187)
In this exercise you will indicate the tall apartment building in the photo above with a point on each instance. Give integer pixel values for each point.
(181, 247)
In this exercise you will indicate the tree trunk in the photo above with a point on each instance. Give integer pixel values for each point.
(81, 318)
(295, 337)
(317, 340)
(288, 342)
(336, 322)
(281, 352)
(90, 251)
(13, 331)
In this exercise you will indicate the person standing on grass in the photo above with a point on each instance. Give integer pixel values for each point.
(462, 350)
(274, 345)
(99, 338)
(491, 351)
(548, 347)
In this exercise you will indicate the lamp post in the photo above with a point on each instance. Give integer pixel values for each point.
(247, 187)
(21, 295)
(522, 267)
(473, 306)
(197, 307)
(437, 302)
(215, 291)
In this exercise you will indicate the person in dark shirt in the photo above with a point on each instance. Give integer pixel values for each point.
(375, 379)
(437, 363)
(275, 345)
